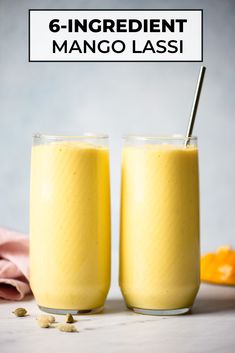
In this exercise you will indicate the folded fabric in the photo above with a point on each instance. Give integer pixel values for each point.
(14, 268)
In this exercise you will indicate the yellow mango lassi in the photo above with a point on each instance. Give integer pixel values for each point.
(70, 224)
(159, 244)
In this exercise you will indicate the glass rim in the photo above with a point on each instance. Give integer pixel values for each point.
(174, 137)
(71, 137)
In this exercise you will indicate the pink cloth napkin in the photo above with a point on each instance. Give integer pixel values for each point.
(14, 270)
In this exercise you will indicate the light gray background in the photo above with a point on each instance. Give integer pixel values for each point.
(119, 98)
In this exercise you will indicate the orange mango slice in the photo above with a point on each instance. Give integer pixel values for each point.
(219, 267)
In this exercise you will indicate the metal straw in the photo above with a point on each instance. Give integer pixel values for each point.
(195, 105)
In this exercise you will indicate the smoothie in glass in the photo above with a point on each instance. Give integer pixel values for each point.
(159, 245)
(70, 223)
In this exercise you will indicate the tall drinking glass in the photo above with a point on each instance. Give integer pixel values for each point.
(159, 244)
(70, 223)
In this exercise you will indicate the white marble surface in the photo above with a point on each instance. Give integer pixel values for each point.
(209, 328)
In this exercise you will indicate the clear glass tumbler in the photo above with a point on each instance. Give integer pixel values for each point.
(70, 223)
(159, 240)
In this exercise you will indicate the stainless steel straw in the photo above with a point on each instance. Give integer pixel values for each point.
(195, 105)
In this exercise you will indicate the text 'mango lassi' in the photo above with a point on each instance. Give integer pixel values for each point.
(159, 247)
(70, 223)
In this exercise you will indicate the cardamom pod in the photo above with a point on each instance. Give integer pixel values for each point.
(49, 318)
(20, 312)
(69, 319)
(67, 328)
(44, 324)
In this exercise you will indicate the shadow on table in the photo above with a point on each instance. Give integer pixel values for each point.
(202, 306)
(211, 299)
(215, 299)
(115, 306)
